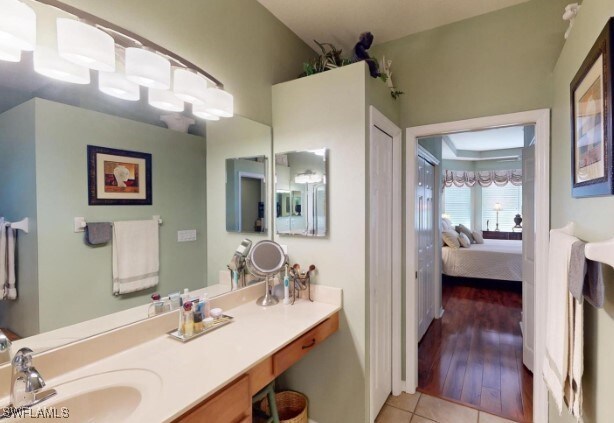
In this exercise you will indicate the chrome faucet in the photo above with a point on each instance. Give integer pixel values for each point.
(5, 348)
(26, 381)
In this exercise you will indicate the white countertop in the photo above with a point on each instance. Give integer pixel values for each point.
(190, 372)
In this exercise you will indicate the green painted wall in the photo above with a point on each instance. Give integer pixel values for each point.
(593, 216)
(496, 63)
(18, 200)
(237, 41)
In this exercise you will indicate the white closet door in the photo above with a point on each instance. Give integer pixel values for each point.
(381, 267)
(528, 256)
(426, 240)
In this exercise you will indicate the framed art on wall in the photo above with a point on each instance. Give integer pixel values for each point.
(118, 177)
(591, 121)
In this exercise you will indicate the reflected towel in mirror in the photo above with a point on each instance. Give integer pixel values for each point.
(98, 233)
(136, 258)
(7, 261)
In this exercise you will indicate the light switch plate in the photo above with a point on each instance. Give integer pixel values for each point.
(186, 236)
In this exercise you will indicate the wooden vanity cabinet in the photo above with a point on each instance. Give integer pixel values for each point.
(233, 403)
(293, 352)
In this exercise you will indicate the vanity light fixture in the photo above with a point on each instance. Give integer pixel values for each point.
(17, 25)
(165, 100)
(10, 54)
(219, 102)
(73, 41)
(85, 45)
(200, 110)
(189, 86)
(147, 68)
(115, 83)
(308, 177)
(49, 63)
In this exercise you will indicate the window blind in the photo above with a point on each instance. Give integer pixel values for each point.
(457, 205)
(510, 198)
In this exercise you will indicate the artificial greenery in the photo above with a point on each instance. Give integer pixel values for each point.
(331, 58)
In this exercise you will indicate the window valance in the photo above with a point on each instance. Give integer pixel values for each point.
(484, 178)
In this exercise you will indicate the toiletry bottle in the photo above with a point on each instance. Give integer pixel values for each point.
(188, 319)
(156, 304)
(185, 297)
(235, 280)
(206, 306)
(198, 317)
(175, 300)
(286, 287)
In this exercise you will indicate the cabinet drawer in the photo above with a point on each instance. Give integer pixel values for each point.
(231, 405)
(261, 375)
(290, 354)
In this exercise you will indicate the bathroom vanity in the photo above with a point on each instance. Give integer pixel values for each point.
(139, 373)
(232, 403)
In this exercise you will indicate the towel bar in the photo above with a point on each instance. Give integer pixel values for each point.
(602, 252)
(22, 225)
(80, 223)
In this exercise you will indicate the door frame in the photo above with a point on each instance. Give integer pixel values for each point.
(239, 215)
(437, 186)
(541, 119)
(378, 120)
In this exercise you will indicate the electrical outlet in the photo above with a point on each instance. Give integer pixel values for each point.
(186, 236)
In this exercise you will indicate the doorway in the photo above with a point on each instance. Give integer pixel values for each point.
(540, 120)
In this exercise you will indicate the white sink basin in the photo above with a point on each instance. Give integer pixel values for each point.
(118, 396)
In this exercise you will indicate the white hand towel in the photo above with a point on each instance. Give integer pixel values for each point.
(136, 261)
(10, 291)
(3, 273)
(573, 392)
(556, 362)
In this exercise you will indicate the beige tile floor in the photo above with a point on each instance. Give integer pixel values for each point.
(420, 408)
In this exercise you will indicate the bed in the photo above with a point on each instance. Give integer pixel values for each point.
(495, 259)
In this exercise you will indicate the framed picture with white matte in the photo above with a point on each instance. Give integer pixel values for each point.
(118, 177)
(591, 120)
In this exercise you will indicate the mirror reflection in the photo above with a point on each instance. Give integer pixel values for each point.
(64, 287)
(300, 193)
(246, 194)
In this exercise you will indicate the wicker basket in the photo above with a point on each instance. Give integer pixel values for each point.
(291, 407)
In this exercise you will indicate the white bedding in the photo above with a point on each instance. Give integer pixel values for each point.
(495, 259)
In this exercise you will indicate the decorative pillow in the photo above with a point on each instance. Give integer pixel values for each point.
(462, 229)
(477, 236)
(464, 240)
(447, 224)
(451, 239)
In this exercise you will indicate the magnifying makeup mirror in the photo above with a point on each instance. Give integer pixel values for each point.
(266, 259)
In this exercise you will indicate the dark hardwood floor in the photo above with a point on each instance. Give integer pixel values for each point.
(12, 336)
(473, 354)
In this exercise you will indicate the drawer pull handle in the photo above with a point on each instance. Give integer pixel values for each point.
(311, 344)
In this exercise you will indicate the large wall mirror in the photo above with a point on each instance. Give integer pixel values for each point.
(63, 285)
(300, 193)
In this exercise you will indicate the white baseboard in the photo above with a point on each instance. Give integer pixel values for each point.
(312, 421)
(441, 312)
